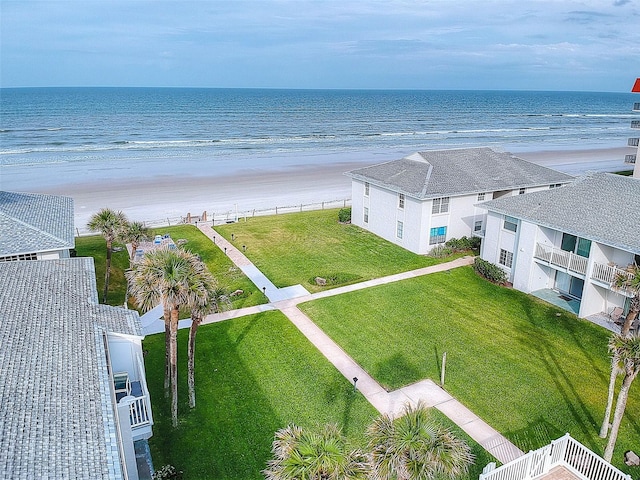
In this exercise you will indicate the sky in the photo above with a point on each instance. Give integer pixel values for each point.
(589, 45)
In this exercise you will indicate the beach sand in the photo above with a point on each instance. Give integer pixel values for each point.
(154, 196)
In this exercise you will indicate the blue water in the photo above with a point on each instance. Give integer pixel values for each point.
(101, 129)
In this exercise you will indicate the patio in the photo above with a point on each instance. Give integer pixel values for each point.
(559, 300)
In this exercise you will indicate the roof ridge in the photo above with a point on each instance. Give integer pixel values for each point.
(34, 228)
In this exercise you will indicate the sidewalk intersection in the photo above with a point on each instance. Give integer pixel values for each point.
(391, 403)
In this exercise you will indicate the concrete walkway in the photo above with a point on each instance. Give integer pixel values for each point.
(391, 403)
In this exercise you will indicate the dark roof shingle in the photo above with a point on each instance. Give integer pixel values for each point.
(440, 173)
(598, 206)
(56, 416)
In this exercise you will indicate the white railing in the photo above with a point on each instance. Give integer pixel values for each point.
(560, 258)
(565, 452)
(608, 273)
(140, 409)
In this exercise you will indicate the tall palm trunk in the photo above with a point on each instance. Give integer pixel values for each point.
(195, 323)
(621, 404)
(612, 385)
(174, 366)
(167, 353)
(107, 272)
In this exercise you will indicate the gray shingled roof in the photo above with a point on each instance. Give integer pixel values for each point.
(33, 222)
(443, 173)
(598, 206)
(56, 416)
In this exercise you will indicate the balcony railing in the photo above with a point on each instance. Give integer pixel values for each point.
(630, 158)
(560, 258)
(564, 452)
(635, 123)
(140, 409)
(633, 142)
(636, 107)
(607, 273)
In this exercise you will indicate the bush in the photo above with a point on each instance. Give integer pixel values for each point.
(490, 271)
(440, 251)
(464, 244)
(339, 278)
(344, 215)
(167, 472)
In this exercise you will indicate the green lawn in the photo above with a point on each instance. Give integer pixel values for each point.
(254, 375)
(531, 374)
(295, 248)
(228, 275)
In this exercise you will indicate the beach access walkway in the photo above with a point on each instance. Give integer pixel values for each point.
(391, 403)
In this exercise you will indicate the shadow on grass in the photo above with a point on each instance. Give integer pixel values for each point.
(536, 434)
(394, 366)
(339, 393)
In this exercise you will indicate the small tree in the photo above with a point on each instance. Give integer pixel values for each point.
(344, 215)
(109, 223)
(324, 455)
(413, 447)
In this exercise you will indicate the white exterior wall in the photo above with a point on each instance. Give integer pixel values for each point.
(123, 351)
(527, 275)
(496, 239)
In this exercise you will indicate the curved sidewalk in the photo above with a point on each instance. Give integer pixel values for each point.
(390, 403)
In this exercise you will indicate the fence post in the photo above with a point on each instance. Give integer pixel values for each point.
(276, 210)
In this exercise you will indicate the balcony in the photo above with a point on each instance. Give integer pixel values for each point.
(636, 107)
(132, 390)
(606, 274)
(635, 123)
(630, 158)
(564, 458)
(559, 258)
(633, 142)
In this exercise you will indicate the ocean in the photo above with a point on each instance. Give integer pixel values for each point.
(127, 132)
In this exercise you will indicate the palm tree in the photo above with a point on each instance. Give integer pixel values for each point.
(133, 233)
(413, 447)
(627, 349)
(167, 277)
(325, 455)
(616, 369)
(630, 282)
(215, 300)
(108, 223)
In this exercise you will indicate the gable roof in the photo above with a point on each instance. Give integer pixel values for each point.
(598, 206)
(56, 410)
(442, 173)
(33, 222)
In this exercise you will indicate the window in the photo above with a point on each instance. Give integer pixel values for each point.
(522, 191)
(510, 223)
(555, 185)
(440, 205)
(477, 227)
(399, 229)
(437, 235)
(366, 189)
(401, 200)
(366, 215)
(481, 197)
(577, 245)
(506, 258)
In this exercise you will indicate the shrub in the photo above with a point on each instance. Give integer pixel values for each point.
(167, 472)
(464, 244)
(440, 251)
(344, 215)
(339, 278)
(490, 271)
